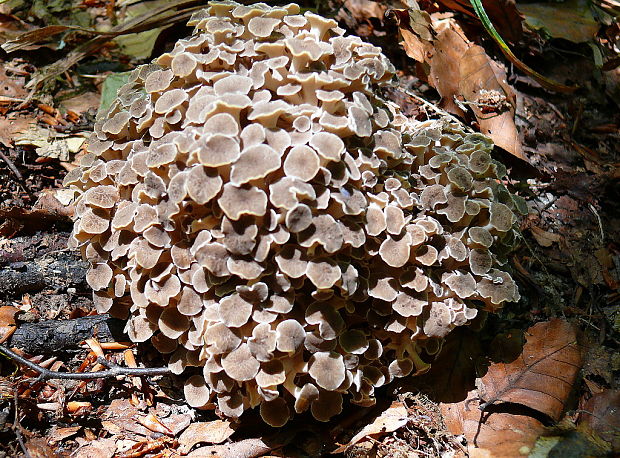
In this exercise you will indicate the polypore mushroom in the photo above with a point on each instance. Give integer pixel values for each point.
(278, 224)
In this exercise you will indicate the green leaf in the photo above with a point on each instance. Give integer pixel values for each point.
(111, 85)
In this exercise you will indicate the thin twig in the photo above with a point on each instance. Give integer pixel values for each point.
(17, 427)
(433, 107)
(113, 371)
(16, 172)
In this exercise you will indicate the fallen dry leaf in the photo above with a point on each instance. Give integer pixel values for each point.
(153, 423)
(10, 127)
(449, 46)
(7, 322)
(416, 30)
(483, 85)
(211, 432)
(393, 418)
(497, 434)
(100, 448)
(542, 377)
(545, 238)
(602, 415)
(247, 448)
(59, 434)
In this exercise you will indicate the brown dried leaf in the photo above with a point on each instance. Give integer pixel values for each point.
(100, 448)
(449, 46)
(499, 434)
(483, 85)
(59, 434)
(542, 377)
(153, 423)
(7, 322)
(602, 416)
(545, 238)
(212, 432)
(416, 29)
(247, 448)
(393, 418)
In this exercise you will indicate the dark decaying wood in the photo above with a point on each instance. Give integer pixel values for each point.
(52, 336)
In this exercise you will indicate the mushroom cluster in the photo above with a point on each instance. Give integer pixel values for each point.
(255, 208)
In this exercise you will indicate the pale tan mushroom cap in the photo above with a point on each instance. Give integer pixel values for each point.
(280, 230)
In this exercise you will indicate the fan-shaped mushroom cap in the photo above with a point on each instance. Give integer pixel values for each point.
(196, 391)
(327, 369)
(240, 365)
(254, 205)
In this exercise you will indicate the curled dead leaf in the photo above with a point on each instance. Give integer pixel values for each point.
(482, 84)
(211, 432)
(7, 322)
(499, 434)
(390, 420)
(543, 375)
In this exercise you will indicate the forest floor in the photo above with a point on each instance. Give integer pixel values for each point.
(541, 376)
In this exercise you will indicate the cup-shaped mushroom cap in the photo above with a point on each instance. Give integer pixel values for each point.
(298, 218)
(501, 218)
(480, 261)
(197, 392)
(301, 162)
(217, 150)
(275, 413)
(221, 339)
(328, 404)
(93, 222)
(172, 323)
(236, 201)
(323, 273)
(271, 373)
(479, 162)
(231, 405)
(463, 284)
(327, 368)
(99, 277)
(240, 365)
(385, 288)
(263, 342)
(255, 162)
(304, 396)
(329, 320)
(290, 336)
(439, 321)
(140, 329)
(234, 311)
(401, 367)
(407, 304)
(190, 303)
(479, 237)
(498, 287)
(395, 251)
(213, 256)
(353, 341)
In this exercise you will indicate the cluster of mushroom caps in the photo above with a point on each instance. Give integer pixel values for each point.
(255, 208)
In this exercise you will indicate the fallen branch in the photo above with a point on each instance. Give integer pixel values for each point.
(113, 371)
(51, 336)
